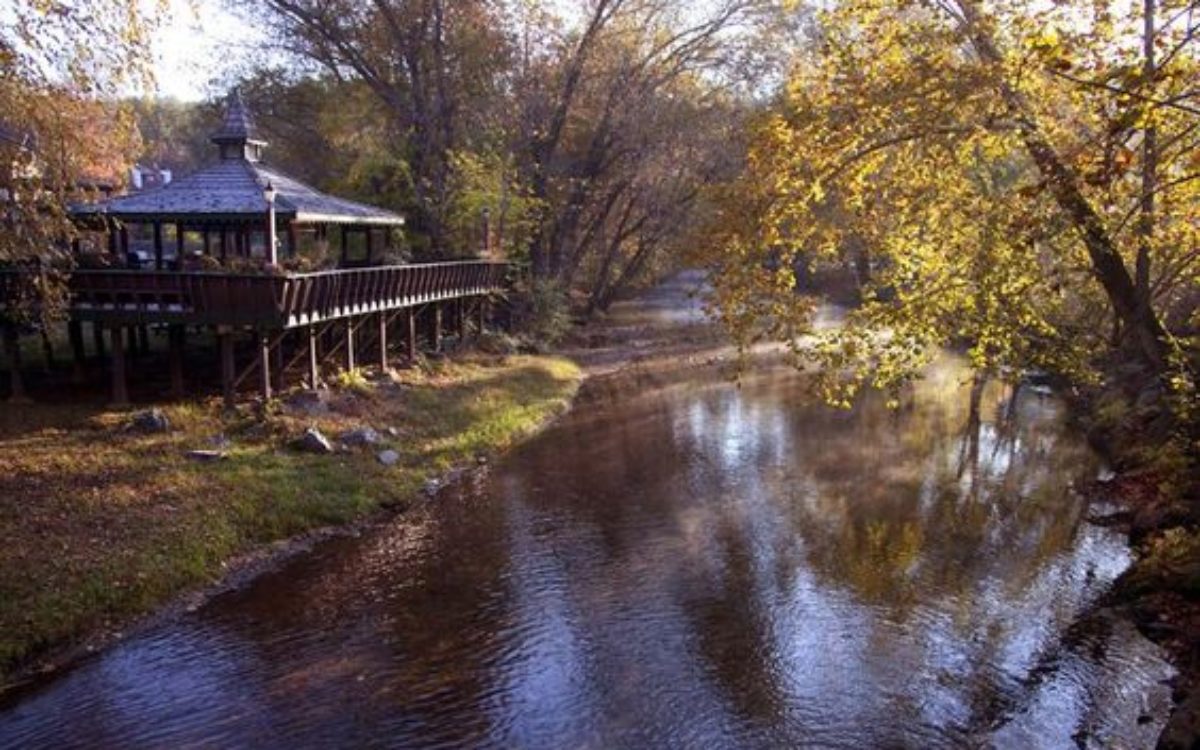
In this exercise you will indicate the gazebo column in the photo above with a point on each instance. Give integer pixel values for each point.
(178, 245)
(350, 362)
(370, 245)
(383, 342)
(79, 356)
(120, 389)
(483, 311)
(12, 350)
(175, 341)
(314, 358)
(228, 374)
(463, 318)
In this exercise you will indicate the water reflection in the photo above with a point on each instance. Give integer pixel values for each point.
(703, 566)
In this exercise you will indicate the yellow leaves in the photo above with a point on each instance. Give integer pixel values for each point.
(897, 147)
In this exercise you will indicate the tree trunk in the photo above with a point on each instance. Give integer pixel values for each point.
(1107, 265)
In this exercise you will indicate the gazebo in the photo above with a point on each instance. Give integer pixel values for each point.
(203, 252)
(237, 210)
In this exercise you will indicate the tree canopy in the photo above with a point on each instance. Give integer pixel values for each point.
(63, 65)
(1018, 180)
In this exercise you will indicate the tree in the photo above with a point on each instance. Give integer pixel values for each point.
(62, 64)
(1004, 170)
(599, 127)
(435, 67)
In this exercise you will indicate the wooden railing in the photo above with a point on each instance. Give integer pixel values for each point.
(274, 302)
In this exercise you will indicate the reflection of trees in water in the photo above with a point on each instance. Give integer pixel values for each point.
(939, 497)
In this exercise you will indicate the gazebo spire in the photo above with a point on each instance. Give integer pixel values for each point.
(238, 137)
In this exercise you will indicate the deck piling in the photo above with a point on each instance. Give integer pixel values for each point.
(120, 389)
(228, 371)
(314, 358)
(436, 341)
(410, 325)
(383, 342)
(98, 339)
(175, 343)
(78, 355)
(264, 365)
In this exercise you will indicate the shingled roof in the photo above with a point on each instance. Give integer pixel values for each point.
(232, 188)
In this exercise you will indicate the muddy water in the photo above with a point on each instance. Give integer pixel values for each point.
(698, 566)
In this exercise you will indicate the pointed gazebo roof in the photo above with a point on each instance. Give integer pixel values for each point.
(232, 188)
(237, 126)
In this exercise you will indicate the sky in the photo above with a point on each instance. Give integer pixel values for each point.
(198, 47)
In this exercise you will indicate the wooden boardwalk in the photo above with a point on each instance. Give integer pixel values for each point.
(346, 304)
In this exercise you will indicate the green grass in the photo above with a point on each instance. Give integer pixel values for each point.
(101, 525)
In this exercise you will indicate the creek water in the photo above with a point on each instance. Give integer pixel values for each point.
(698, 565)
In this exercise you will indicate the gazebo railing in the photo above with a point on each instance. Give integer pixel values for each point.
(124, 296)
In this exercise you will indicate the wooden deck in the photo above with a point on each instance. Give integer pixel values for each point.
(331, 313)
(273, 303)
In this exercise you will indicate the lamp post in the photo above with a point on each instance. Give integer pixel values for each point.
(269, 193)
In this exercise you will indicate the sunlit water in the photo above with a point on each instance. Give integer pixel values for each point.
(702, 566)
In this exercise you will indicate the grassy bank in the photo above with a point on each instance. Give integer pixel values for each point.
(101, 523)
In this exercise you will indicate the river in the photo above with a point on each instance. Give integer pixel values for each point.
(693, 564)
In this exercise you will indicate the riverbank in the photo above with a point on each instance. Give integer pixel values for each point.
(1157, 487)
(105, 521)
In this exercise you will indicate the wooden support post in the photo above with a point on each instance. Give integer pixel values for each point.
(461, 313)
(410, 324)
(78, 355)
(350, 361)
(437, 327)
(120, 389)
(175, 340)
(228, 373)
(12, 350)
(264, 365)
(483, 310)
(383, 342)
(277, 364)
(98, 339)
(314, 359)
